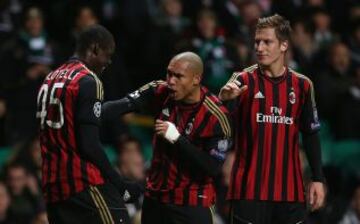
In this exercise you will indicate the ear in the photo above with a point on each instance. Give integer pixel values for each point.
(284, 46)
(93, 50)
(197, 79)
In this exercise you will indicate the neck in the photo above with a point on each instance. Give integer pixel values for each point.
(84, 61)
(274, 70)
(193, 97)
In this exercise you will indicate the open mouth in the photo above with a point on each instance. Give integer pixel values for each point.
(172, 92)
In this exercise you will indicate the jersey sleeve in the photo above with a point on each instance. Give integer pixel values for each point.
(88, 109)
(220, 142)
(149, 96)
(309, 120)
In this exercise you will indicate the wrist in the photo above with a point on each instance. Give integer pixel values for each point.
(172, 134)
(320, 179)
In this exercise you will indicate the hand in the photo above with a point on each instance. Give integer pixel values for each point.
(166, 130)
(232, 90)
(316, 195)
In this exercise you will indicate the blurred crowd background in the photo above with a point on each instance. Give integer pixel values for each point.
(37, 36)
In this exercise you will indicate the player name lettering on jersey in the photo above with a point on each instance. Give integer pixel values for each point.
(62, 73)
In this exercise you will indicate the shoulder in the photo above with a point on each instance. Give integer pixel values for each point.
(243, 75)
(156, 84)
(89, 82)
(251, 69)
(213, 100)
(218, 113)
(301, 77)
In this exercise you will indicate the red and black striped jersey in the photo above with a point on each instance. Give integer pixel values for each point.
(268, 118)
(63, 101)
(172, 178)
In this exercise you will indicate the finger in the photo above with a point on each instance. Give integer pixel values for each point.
(243, 88)
(318, 203)
(238, 83)
(233, 86)
(160, 132)
(311, 196)
(226, 88)
(321, 199)
(158, 121)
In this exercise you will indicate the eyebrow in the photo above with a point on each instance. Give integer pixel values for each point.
(174, 73)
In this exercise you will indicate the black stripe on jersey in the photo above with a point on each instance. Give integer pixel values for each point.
(301, 88)
(274, 134)
(165, 163)
(200, 195)
(239, 109)
(259, 161)
(249, 139)
(186, 191)
(48, 174)
(286, 143)
(58, 170)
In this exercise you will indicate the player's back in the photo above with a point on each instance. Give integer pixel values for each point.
(64, 171)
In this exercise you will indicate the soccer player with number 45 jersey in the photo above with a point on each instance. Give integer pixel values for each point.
(78, 181)
(272, 105)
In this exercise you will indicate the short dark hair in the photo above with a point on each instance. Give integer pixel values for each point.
(95, 34)
(124, 141)
(280, 24)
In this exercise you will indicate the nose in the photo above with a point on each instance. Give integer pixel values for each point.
(171, 80)
(259, 46)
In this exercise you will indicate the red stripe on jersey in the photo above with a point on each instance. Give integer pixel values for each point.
(77, 175)
(179, 197)
(193, 195)
(251, 178)
(299, 176)
(241, 154)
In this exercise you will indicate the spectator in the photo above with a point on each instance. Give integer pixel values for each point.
(130, 162)
(304, 47)
(323, 35)
(24, 191)
(354, 42)
(334, 81)
(352, 215)
(5, 201)
(170, 27)
(27, 60)
(218, 56)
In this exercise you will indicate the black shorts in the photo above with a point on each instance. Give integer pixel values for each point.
(154, 212)
(96, 204)
(266, 212)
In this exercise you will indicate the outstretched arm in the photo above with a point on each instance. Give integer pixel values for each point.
(87, 123)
